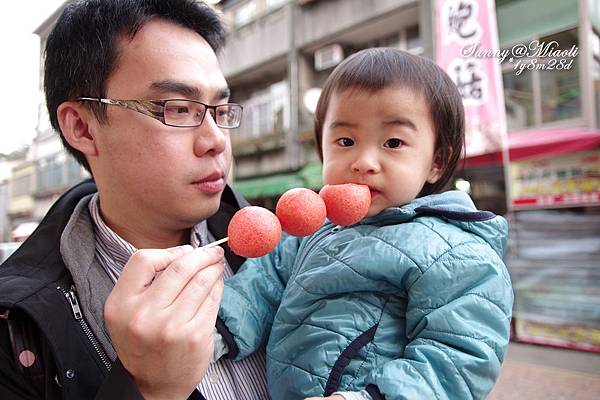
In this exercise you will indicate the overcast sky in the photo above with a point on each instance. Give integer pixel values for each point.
(19, 86)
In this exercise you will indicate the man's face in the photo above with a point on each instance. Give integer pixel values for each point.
(169, 177)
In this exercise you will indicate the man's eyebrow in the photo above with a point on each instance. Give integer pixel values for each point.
(401, 122)
(224, 94)
(176, 87)
(186, 90)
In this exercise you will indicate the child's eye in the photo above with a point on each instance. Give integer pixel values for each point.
(393, 143)
(345, 142)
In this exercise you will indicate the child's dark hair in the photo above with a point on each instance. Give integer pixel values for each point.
(378, 68)
(83, 47)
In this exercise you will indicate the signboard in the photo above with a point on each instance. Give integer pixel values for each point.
(467, 49)
(571, 336)
(568, 180)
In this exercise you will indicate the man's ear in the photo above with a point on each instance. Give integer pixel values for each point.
(436, 169)
(74, 121)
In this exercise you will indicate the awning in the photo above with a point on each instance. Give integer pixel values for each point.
(268, 186)
(310, 176)
(534, 143)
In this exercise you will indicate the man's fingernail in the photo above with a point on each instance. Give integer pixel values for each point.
(219, 249)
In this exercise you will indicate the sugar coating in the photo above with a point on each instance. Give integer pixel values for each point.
(347, 203)
(253, 232)
(301, 212)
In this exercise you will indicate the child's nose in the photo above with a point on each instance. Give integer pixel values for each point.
(366, 164)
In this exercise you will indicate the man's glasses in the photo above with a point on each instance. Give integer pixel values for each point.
(180, 112)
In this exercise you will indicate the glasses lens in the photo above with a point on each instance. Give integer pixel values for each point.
(228, 115)
(183, 113)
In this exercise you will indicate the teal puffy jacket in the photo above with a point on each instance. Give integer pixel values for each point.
(414, 303)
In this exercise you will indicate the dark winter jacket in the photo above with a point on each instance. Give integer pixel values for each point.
(47, 350)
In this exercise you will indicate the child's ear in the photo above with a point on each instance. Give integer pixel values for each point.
(74, 120)
(436, 169)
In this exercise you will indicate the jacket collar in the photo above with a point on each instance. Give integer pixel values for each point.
(38, 261)
(454, 207)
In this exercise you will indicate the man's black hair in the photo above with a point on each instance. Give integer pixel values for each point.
(82, 49)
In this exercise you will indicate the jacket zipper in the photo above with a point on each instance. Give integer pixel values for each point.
(71, 296)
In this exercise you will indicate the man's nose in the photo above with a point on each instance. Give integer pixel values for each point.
(210, 138)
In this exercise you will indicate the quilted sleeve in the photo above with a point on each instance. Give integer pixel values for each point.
(251, 298)
(458, 324)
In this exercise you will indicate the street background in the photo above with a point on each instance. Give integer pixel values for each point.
(529, 74)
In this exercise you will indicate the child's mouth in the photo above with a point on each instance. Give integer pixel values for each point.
(374, 192)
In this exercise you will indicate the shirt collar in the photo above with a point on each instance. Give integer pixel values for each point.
(113, 252)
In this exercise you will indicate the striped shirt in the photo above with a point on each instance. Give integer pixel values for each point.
(225, 379)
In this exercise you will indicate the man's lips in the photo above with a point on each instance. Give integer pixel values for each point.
(212, 177)
(212, 183)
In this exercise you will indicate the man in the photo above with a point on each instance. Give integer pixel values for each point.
(136, 92)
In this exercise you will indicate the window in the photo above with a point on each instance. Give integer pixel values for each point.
(595, 45)
(75, 172)
(50, 174)
(266, 112)
(544, 88)
(518, 99)
(245, 13)
(560, 93)
(275, 3)
(21, 186)
(414, 44)
(407, 39)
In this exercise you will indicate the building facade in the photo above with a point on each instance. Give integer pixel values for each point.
(278, 55)
(54, 170)
(552, 101)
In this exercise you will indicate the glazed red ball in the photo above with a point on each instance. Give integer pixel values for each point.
(253, 232)
(301, 212)
(347, 203)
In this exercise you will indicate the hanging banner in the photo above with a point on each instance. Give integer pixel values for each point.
(466, 42)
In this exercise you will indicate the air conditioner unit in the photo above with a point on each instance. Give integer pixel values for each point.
(328, 56)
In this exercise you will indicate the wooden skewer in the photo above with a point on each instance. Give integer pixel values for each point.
(215, 243)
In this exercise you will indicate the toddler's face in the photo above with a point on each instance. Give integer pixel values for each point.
(382, 139)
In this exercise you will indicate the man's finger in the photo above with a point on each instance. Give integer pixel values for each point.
(206, 315)
(143, 265)
(197, 292)
(167, 287)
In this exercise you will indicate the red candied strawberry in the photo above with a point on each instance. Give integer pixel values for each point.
(301, 212)
(253, 232)
(347, 203)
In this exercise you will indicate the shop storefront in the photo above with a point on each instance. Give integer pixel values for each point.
(548, 182)
(554, 255)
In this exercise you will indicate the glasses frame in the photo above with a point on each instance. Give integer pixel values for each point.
(146, 107)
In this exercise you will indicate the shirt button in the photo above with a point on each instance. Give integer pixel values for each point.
(213, 378)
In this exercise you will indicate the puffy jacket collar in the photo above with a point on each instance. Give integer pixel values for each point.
(455, 207)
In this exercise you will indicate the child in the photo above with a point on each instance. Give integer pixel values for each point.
(414, 301)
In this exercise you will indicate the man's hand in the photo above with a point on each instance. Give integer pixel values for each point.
(162, 328)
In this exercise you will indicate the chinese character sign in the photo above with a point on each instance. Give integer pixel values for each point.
(462, 25)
